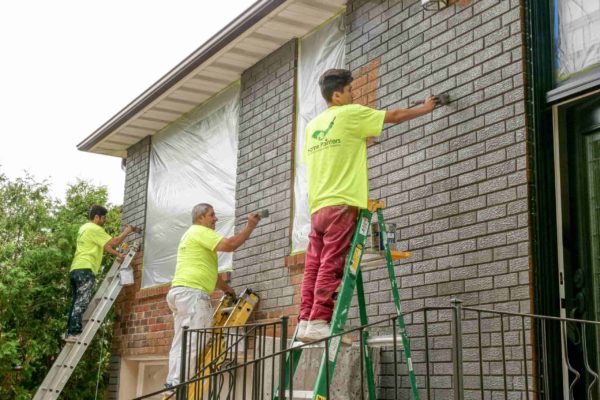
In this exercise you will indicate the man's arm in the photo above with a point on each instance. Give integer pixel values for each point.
(222, 285)
(109, 247)
(232, 243)
(405, 114)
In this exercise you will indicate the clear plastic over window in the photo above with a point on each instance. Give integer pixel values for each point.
(319, 51)
(577, 37)
(193, 160)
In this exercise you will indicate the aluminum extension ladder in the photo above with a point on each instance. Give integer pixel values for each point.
(229, 313)
(353, 278)
(119, 275)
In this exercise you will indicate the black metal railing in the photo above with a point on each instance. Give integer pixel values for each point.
(503, 354)
(458, 353)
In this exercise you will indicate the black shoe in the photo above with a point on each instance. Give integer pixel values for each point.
(168, 393)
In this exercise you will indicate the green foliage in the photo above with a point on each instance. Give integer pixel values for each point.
(37, 243)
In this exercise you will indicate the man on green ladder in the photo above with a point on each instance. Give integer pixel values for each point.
(335, 154)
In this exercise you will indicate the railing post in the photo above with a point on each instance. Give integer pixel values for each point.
(181, 393)
(457, 377)
(283, 347)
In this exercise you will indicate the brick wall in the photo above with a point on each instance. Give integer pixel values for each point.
(143, 322)
(265, 181)
(455, 181)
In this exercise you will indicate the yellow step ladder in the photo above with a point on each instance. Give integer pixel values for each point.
(230, 312)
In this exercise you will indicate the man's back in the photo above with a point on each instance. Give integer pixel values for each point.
(335, 155)
(91, 239)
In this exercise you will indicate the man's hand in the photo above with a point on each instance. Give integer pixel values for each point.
(430, 103)
(229, 291)
(120, 257)
(128, 229)
(253, 220)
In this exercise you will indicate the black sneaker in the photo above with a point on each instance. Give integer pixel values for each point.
(71, 338)
(168, 393)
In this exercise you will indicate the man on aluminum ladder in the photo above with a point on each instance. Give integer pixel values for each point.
(335, 155)
(92, 240)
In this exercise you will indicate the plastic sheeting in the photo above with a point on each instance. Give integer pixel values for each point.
(577, 36)
(192, 161)
(319, 51)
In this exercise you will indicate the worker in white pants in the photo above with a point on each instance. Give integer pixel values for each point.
(196, 277)
(191, 307)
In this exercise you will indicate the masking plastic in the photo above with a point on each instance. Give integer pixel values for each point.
(319, 51)
(577, 36)
(193, 160)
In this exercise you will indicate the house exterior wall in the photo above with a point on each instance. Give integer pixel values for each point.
(265, 181)
(454, 181)
(143, 324)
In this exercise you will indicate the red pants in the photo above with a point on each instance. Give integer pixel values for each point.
(329, 241)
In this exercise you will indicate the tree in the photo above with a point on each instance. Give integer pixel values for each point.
(37, 243)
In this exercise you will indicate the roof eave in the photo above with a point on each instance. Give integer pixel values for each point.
(240, 24)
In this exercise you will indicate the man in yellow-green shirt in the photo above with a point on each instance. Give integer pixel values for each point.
(196, 277)
(92, 241)
(335, 156)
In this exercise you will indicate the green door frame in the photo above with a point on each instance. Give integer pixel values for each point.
(545, 215)
(539, 64)
(563, 207)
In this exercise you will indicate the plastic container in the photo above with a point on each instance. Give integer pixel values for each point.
(377, 240)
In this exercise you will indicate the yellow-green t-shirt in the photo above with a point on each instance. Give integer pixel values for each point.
(335, 155)
(91, 239)
(197, 259)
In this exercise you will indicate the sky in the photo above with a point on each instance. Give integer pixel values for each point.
(68, 66)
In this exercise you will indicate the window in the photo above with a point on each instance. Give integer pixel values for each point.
(577, 37)
(193, 160)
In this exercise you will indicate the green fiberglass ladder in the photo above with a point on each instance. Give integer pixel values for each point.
(353, 278)
(119, 275)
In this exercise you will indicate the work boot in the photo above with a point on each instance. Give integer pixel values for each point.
(316, 330)
(319, 329)
(168, 394)
(301, 335)
(71, 338)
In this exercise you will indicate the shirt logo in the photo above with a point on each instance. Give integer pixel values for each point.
(320, 135)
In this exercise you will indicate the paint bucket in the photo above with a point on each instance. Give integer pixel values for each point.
(377, 241)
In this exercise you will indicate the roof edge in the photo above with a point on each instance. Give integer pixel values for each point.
(240, 24)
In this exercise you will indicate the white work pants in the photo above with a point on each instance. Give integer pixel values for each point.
(192, 308)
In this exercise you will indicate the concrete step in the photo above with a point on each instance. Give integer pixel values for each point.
(299, 394)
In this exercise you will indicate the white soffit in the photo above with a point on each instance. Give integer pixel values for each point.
(272, 23)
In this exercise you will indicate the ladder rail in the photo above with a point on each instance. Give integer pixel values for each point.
(78, 349)
(70, 355)
(366, 350)
(342, 305)
(214, 352)
(396, 296)
(113, 273)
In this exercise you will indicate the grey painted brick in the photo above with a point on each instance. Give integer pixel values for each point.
(481, 256)
(445, 185)
(478, 284)
(468, 153)
(463, 246)
(471, 231)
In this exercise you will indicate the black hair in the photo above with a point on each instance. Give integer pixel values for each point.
(334, 80)
(98, 210)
